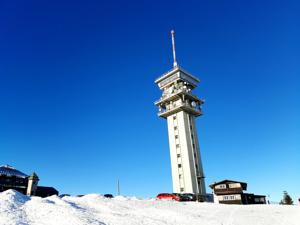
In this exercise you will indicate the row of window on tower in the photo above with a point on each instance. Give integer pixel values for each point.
(179, 164)
(193, 143)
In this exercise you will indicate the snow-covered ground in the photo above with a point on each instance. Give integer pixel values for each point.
(93, 209)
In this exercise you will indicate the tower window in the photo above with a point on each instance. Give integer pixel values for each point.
(179, 165)
(175, 127)
(176, 136)
(177, 146)
(182, 189)
(174, 117)
(178, 155)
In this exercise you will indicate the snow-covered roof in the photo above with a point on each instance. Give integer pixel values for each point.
(11, 171)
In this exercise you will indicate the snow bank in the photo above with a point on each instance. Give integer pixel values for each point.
(17, 209)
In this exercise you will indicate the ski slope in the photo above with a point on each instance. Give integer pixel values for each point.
(93, 209)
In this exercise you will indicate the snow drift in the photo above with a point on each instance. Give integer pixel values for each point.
(93, 209)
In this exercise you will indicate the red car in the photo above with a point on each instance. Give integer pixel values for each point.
(168, 196)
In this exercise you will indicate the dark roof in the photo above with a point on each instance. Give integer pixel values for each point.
(42, 188)
(10, 171)
(45, 191)
(259, 196)
(244, 185)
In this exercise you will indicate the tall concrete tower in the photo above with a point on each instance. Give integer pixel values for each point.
(180, 107)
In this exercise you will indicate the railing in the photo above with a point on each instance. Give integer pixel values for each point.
(176, 91)
(179, 105)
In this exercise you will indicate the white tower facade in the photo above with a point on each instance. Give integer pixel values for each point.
(180, 107)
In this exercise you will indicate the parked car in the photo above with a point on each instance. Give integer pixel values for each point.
(168, 196)
(64, 195)
(79, 195)
(189, 196)
(183, 197)
(108, 196)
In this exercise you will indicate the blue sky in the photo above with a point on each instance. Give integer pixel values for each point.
(77, 91)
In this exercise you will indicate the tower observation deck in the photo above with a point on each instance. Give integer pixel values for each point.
(180, 107)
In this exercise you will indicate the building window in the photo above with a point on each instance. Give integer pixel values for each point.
(175, 127)
(235, 185)
(192, 136)
(229, 197)
(180, 176)
(178, 155)
(176, 136)
(174, 117)
(182, 189)
(220, 186)
(177, 146)
(179, 165)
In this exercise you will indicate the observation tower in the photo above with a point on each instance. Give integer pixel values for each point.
(180, 107)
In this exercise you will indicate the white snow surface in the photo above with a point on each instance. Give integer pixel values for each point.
(93, 209)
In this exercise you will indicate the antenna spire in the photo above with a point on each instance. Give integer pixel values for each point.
(173, 48)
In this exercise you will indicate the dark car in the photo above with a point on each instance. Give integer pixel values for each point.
(168, 196)
(189, 196)
(64, 195)
(108, 196)
(186, 196)
(181, 197)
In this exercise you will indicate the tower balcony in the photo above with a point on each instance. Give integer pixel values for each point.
(183, 106)
(176, 95)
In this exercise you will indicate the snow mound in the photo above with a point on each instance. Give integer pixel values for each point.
(13, 196)
(11, 203)
(93, 209)
(121, 198)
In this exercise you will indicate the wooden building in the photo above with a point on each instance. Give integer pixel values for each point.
(232, 192)
(11, 178)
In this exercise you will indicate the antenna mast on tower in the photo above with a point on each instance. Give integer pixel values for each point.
(173, 48)
(118, 187)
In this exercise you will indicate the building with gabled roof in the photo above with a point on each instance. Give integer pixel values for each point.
(232, 192)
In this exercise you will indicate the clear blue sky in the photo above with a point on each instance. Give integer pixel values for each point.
(77, 91)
